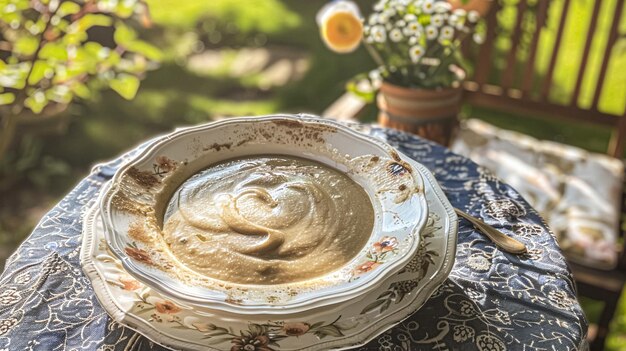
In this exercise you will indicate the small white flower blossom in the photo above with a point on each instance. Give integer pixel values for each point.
(379, 6)
(453, 20)
(442, 6)
(389, 26)
(413, 40)
(369, 39)
(400, 23)
(413, 27)
(473, 16)
(416, 52)
(379, 34)
(395, 35)
(373, 19)
(437, 20)
(383, 18)
(460, 12)
(447, 32)
(431, 32)
(428, 6)
(390, 13)
(409, 17)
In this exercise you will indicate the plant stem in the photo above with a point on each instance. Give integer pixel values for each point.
(375, 55)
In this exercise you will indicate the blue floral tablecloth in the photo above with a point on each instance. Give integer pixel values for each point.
(492, 301)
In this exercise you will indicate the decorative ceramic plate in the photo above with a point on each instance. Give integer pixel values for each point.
(141, 194)
(175, 324)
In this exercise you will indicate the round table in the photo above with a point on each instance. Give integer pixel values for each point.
(491, 301)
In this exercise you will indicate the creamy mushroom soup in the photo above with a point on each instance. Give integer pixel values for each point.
(267, 220)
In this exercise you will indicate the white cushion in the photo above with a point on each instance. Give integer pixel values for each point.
(577, 192)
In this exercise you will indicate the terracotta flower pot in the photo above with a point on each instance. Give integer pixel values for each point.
(432, 114)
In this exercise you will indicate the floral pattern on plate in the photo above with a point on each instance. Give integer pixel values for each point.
(168, 321)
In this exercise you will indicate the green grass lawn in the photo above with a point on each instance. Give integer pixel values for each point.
(175, 95)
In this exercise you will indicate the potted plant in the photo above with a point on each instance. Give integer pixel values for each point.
(416, 44)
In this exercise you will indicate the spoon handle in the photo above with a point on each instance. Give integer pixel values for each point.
(501, 240)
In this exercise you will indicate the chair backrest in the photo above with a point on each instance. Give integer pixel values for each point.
(516, 65)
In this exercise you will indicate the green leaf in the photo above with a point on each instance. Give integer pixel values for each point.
(53, 50)
(124, 35)
(372, 306)
(94, 50)
(81, 90)
(256, 329)
(354, 87)
(60, 93)
(92, 20)
(40, 70)
(36, 102)
(7, 98)
(147, 50)
(125, 9)
(318, 324)
(14, 75)
(330, 330)
(68, 8)
(125, 85)
(26, 45)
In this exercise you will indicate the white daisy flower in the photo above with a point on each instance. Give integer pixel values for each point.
(447, 32)
(379, 34)
(389, 26)
(460, 12)
(442, 6)
(414, 40)
(379, 6)
(369, 39)
(428, 6)
(390, 13)
(382, 18)
(437, 20)
(473, 16)
(373, 19)
(431, 32)
(453, 20)
(409, 17)
(479, 39)
(395, 35)
(416, 52)
(400, 23)
(414, 27)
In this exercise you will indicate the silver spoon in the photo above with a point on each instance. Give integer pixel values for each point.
(501, 240)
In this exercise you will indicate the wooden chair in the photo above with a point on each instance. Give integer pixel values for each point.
(514, 86)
